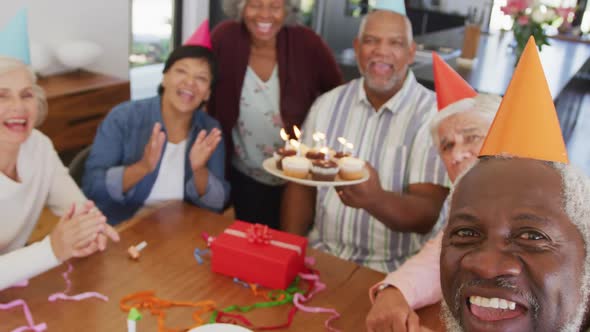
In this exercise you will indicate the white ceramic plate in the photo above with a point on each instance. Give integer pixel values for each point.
(270, 166)
(220, 328)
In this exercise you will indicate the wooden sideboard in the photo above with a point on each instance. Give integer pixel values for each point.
(78, 101)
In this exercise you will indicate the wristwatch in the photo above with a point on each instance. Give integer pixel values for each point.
(380, 288)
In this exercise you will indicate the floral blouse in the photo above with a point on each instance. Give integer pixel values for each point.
(256, 134)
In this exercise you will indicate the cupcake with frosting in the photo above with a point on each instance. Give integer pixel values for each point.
(281, 153)
(295, 166)
(324, 170)
(351, 168)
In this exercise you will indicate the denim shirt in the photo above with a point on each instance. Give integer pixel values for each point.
(120, 142)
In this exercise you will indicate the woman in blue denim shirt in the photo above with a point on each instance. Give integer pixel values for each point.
(161, 148)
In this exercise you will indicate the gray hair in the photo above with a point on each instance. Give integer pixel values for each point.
(410, 33)
(485, 105)
(576, 205)
(576, 200)
(235, 8)
(9, 64)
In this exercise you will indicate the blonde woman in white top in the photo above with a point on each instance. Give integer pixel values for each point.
(32, 177)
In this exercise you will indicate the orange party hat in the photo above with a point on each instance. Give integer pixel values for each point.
(526, 125)
(449, 85)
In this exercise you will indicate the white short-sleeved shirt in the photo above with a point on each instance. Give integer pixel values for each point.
(396, 142)
(169, 184)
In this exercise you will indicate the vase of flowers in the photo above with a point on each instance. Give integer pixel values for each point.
(531, 18)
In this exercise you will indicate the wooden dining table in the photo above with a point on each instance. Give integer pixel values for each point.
(167, 266)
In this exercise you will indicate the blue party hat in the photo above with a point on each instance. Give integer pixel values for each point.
(14, 38)
(396, 6)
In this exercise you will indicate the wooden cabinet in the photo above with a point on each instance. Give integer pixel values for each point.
(78, 101)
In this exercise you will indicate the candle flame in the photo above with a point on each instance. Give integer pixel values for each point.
(297, 132)
(342, 140)
(350, 146)
(294, 143)
(284, 135)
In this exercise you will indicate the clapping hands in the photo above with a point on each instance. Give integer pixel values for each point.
(204, 146)
(81, 232)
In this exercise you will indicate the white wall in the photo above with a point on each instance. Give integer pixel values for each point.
(105, 22)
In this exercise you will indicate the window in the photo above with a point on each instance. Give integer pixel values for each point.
(359, 8)
(152, 24)
(585, 26)
(151, 32)
(307, 9)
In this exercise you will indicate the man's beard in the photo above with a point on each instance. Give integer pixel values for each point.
(386, 87)
(453, 324)
(382, 88)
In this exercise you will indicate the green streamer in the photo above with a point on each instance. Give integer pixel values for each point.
(289, 294)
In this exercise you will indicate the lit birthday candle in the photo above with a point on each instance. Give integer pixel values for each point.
(342, 142)
(285, 138)
(325, 151)
(296, 145)
(321, 139)
(316, 140)
(348, 146)
(297, 133)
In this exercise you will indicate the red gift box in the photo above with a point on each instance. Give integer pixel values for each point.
(257, 254)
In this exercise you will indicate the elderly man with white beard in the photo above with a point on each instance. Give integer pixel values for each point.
(478, 287)
(516, 251)
(519, 264)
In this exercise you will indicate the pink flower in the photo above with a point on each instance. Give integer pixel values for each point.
(523, 20)
(564, 12)
(520, 4)
(513, 7)
(509, 10)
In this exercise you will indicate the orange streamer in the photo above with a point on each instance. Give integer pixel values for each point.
(157, 307)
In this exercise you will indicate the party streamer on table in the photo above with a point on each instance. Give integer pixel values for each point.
(79, 297)
(31, 325)
(275, 298)
(157, 307)
(299, 299)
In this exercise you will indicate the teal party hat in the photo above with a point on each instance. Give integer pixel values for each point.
(396, 6)
(14, 38)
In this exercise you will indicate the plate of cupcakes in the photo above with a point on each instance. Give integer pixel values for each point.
(317, 167)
